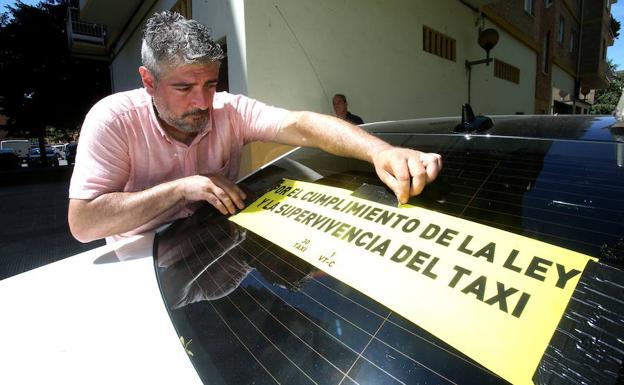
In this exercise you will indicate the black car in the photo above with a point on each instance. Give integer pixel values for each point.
(8, 160)
(34, 157)
(258, 312)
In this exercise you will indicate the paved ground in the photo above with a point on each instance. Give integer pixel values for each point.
(33, 220)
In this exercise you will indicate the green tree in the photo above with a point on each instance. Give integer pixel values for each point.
(615, 28)
(607, 99)
(42, 84)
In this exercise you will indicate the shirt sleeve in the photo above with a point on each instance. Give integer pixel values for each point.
(102, 159)
(258, 121)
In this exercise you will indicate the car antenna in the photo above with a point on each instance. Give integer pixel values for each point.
(471, 123)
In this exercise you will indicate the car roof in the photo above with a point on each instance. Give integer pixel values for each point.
(96, 317)
(565, 127)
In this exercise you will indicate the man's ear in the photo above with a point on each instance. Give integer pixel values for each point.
(148, 79)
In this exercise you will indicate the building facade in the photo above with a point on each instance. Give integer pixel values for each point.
(570, 38)
(396, 59)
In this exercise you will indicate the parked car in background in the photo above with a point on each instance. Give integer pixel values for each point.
(34, 158)
(59, 149)
(9, 160)
(21, 147)
(245, 308)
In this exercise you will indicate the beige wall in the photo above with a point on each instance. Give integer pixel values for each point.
(125, 67)
(300, 53)
(495, 96)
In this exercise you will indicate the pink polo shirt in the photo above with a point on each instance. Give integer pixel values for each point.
(123, 147)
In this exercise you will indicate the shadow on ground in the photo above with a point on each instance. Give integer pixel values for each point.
(33, 220)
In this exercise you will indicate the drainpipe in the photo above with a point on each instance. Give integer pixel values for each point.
(578, 60)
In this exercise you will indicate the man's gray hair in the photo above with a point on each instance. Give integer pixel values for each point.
(171, 40)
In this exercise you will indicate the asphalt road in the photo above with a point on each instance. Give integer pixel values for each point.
(33, 220)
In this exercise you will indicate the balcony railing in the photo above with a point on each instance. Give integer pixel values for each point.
(95, 33)
(86, 32)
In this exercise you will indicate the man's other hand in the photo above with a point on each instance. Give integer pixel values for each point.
(215, 189)
(405, 171)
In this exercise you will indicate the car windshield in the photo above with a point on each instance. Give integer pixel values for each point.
(256, 313)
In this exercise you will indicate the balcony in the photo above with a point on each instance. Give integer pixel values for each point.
(119, 16)
(598, 78)
(597, 37)
(86, 39)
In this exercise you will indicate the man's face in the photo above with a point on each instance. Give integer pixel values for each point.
(340, 106)
(184, 95)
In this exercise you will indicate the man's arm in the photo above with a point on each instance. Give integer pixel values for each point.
(119, 212)
(404, 171)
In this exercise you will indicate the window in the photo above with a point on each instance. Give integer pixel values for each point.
(572, 41)
(546, 54)
(438, 44)
(506, 71)
(224, 82)
(184, 8)
(529, 7)
(561, 36)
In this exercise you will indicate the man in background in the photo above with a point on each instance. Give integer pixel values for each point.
(342, 111)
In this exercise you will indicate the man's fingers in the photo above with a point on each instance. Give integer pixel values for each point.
(241, 196)
(407, 172)
(231, 195)
(419, 176)
(432, 164)
(217, 190)
(395, 174)
(228, 193)
(399, 169)
(214, 201)
(225, 200)
(388, 179)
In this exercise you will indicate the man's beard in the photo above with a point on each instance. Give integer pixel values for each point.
(191, 121)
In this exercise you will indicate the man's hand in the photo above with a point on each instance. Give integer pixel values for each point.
(406, 171)
(215, 189)
(119, 212)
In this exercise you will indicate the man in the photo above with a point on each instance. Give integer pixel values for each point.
(341, 109)
(151, 155)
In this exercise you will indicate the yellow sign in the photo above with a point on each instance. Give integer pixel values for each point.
(494, 295)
